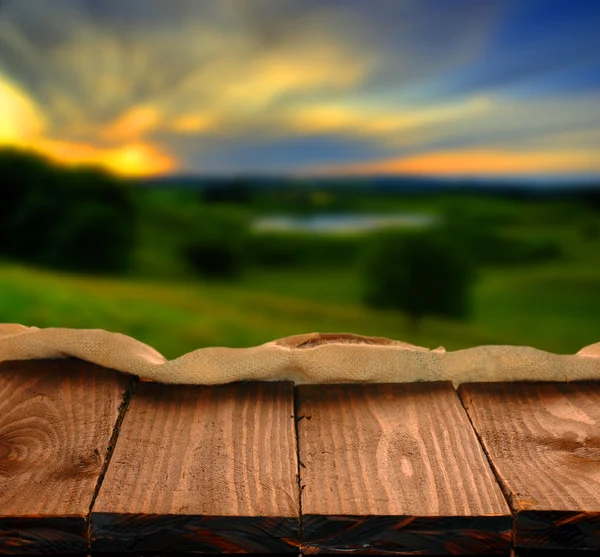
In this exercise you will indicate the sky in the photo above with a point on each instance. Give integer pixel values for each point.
(445, 88)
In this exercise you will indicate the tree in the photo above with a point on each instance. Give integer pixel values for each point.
(590, 228)
(418, 273)
(98, 230)
(77, 219)
(217, 245)
(235, 191)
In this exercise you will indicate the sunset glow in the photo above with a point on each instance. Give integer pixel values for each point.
(151, 88)
(476, 162)
(22, 125)
(20, 120)
(130, 160)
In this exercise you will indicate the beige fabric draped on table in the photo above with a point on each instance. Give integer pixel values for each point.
(310, 358)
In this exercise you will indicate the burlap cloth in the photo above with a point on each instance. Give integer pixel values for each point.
(310, 358)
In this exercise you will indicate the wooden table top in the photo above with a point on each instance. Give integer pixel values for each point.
(95, 462)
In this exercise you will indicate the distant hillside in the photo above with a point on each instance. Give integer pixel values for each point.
(386, 185)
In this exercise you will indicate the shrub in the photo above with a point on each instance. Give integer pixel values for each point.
(487, 245)
(590, 228)
(218, 243)
(94, 238)
(419, 273)
(288, 249)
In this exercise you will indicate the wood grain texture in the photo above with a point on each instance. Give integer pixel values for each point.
(395, 468)
(543, 440)
(56, 422)
(209, 469)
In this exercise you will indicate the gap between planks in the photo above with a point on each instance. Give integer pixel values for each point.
(233, 444)
(542, 440)
(56, 421)
(127, 396)
(460, 393)
(395, 468)
(301, 467)
(492, 462)
(298, 425)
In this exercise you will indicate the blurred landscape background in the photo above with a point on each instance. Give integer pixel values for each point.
(223, 176)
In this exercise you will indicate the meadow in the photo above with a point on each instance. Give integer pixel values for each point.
(550, 300)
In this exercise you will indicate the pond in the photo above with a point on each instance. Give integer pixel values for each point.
(342, 222)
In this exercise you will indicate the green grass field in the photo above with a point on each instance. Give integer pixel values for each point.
(538, 259)
(178, 317)
(554, 307)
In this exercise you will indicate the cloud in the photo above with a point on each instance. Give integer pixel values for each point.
(194, 123)
(133, 124)
(185, 58)
(112, 86)
(206, 86)
(489, 120)
(386, 125)
(517, 122)
(134, 159)
(483, 136)
(20, 118)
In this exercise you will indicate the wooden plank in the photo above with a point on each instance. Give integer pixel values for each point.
(209, 469)
(543, 440)
(56, 422)
(395, 468)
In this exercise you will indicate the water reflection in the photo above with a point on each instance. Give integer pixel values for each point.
(343, 223)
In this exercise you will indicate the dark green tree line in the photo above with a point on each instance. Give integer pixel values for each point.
(76, 219)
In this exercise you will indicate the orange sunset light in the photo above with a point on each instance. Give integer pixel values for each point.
(133, 124)
(23, 125)
(132, 160)
(20, 118)
(476, 162)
